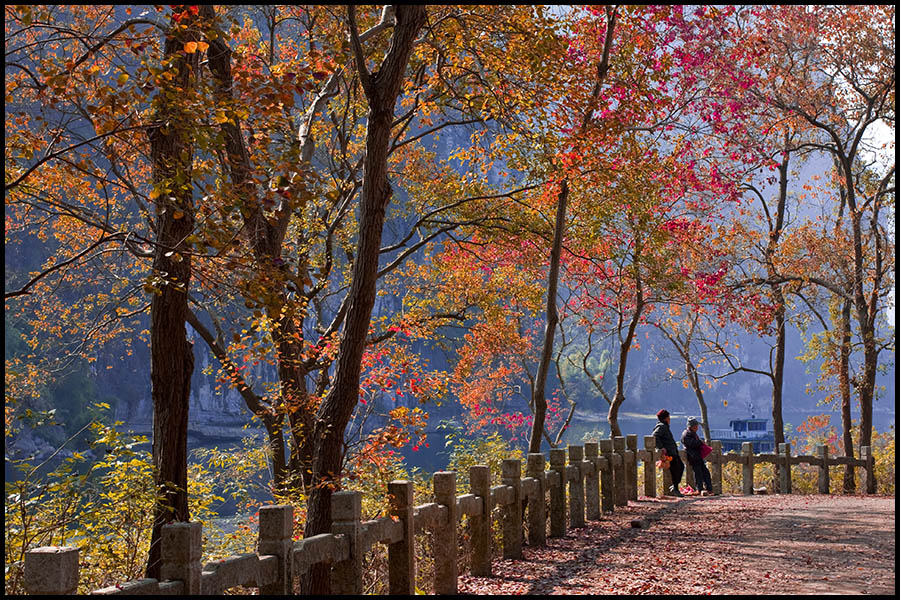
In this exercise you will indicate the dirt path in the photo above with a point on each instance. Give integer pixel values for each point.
(718, 545)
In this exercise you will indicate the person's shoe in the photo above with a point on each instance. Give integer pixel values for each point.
(674, 491)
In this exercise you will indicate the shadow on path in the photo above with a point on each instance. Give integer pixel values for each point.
(724, 544)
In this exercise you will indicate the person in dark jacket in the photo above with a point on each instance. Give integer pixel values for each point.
(665, 441)
(692, 444)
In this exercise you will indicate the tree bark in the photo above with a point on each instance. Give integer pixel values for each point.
(382, 89)
(844, 387)
(612, 416)
(540, 397)
(777, 369)
(172, 359)
(266, 241)
(778, 379)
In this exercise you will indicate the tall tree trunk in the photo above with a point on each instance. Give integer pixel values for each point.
(844, 387)
(172, 358)
(382, 89)
(778, 379)
(777, 369)
(865, 314)
(612, 416)
(539, 401)
(266, 241)
(539, 397)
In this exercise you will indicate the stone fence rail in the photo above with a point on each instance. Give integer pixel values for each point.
(582, 482)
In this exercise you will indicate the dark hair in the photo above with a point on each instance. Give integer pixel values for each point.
(662, 415)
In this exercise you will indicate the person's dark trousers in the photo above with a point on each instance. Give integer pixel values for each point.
(676, 468)
(702, 476)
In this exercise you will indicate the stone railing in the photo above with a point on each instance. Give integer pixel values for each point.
(582, 482)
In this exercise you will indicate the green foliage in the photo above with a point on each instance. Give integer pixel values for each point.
(805, 478)
(490, 450)
(884, 449)
(102, 501)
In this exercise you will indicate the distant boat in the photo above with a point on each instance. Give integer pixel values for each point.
(746, 430)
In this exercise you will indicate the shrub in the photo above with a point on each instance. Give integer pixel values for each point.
(104, 506)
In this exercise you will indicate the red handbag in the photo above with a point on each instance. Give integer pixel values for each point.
(704, 450)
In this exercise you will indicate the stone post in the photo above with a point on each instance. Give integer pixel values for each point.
(346, 516)
(181, 546)
(688, 470)
(51, 570)
(480, 525)
(631, 459)
(537, 506)
(402, 554)
(822, 455)
(607, 477)
(865, 453)
(715, 469)
(650, 466)
(276, 528)
(558, 494)
(621, 493)
(511, 470)
(443, 537)
(592, 482)
(576, 488)
(747, 462)
(784, 450)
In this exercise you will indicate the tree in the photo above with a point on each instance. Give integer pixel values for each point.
(172, 357)
(539, 402)
(382, 88)
(841, 90)
(85, 136)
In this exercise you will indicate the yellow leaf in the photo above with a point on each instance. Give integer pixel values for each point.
(190, 47)
(178, 214)
(123, 77)
(202, 46)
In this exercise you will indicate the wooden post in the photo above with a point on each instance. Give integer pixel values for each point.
(621, 493)
(181, 546)
(511, 470)
(443, 537)
(576, 488)
(51, 570)
(784, 450)
(558, 494)
(747, 462)
(592, 482)
(824, 479)
(865, 453)
(537, 506)
(631, 456)
(480, 525)
(715, 459)
(650, 466)
(607, 477)
(276, 528)
(346, 514)
(402, 554)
